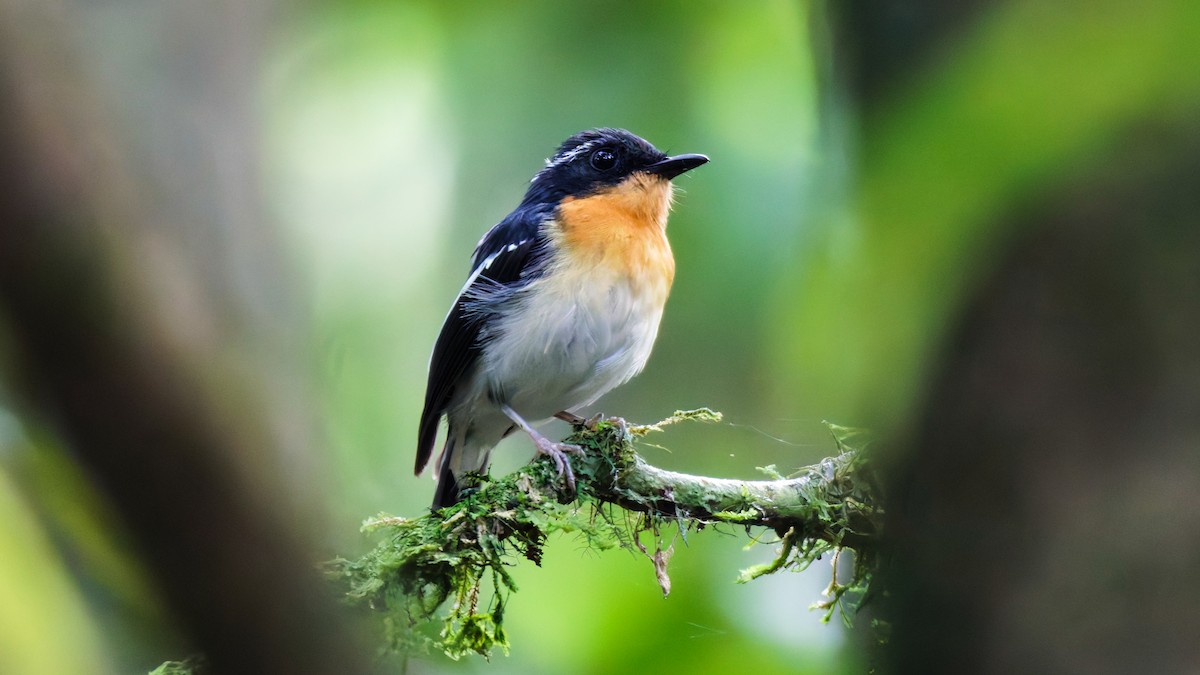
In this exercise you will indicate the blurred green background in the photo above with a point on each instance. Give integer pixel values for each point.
(399, 133)
(820, 256)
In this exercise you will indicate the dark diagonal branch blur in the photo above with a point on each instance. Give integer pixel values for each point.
(93, 364)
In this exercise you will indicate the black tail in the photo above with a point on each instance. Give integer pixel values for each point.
(448, 488)
(467, 457)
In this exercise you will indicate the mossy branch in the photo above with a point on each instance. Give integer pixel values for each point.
(448, 555)
(818, 503)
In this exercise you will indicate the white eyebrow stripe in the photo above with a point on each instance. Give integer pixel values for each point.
(572, 155)
(567, 157)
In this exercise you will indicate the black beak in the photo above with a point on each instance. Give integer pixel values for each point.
(673, 166)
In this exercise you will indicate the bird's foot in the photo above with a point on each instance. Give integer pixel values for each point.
(558, 453)
(596, 419)
(590, 423)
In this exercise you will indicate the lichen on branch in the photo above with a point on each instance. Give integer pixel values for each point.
(457, 558)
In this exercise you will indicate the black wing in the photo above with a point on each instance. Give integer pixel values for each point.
(508, 256)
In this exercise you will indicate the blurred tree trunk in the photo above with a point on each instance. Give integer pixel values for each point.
(143, 293)
(1045, 508)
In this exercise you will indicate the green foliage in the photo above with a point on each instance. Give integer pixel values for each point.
(458, 558)
(945, 159)
(461, 554)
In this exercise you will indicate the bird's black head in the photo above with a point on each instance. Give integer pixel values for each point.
(595, 159)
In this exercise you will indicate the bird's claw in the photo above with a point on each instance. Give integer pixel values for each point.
(596, 419)
(590, 423)
(558, 454)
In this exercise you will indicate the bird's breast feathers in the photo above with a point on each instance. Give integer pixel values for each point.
(588, 324)
(621, 229)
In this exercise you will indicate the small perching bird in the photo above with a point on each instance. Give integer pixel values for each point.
(562, 304)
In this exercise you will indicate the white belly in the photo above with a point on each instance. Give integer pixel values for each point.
(570, 340)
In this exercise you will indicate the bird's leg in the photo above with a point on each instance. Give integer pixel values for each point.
(556, 451)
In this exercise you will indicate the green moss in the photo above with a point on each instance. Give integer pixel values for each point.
(697, 415)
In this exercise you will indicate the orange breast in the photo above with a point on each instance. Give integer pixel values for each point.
(623, 230)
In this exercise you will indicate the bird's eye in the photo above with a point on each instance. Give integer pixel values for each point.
(603, 160)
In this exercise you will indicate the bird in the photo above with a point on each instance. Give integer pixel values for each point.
(562, 304)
